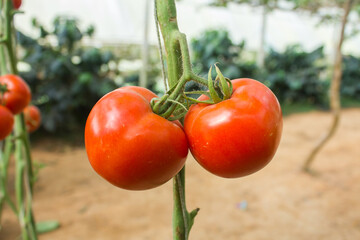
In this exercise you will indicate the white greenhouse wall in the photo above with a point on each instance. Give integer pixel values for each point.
(121, 21)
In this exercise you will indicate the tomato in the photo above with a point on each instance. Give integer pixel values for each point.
(18, 95)
(16, 3)
(238, 136)
(6, 122)
(32, 118)
(129, 145)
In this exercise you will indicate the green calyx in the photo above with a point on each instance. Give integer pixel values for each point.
(221, 89)
(3, 89)
(175, 103)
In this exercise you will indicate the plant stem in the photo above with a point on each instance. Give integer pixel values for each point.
(8, 38)
(179, 72)
(19, 179)
(3, 67)
(23, 189)
(23, 161)
(180, 223)
(4, 164)
(334, 92)
(28, 158)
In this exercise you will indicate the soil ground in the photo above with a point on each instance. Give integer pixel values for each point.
(278, 203)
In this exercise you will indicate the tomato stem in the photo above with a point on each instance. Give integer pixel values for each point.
(179, 72)
(5, 152)
(3, 67)
(23, 161)
(19, 179)
(8, 36)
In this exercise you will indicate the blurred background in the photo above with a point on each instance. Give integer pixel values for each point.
(68, 46)
(73, 52)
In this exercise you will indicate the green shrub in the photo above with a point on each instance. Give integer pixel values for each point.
(215, 46)
(66, 78)
(295, 75)
(350, 84)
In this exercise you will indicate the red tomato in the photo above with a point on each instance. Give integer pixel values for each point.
(16, 3)
(129, 145)
(6, 122)
(238, 136)
(18, 95)
(32, 118)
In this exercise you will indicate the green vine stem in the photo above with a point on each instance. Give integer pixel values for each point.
(19, 179)
(23, 161)
(179, 71)
(5, 152)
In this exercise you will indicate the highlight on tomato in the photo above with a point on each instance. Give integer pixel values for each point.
(32, 117)
(6, 122)
(18, 94)
(238, 136)
(129, 145)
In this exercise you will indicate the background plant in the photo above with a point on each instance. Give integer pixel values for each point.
(216, 46)
(65, 77)
(350, 85)
(295, 76)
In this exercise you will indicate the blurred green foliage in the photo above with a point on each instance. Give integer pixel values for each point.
(295, 75)
(350, 85)
(66, 78)
(216, 47)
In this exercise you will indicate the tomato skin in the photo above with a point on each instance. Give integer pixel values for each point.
(16, 3)
(6, 122)
(18, 95)
(238, 136)
(129, 145)
(32, 117)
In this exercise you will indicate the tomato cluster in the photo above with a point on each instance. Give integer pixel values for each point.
(15, 96)
(135, 149)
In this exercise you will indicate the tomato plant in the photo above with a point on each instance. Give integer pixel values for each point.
(18, 94)
(129, 145)
(134, 141)
(32, 118)
(16, 3)
(238, 136)
(6, 122)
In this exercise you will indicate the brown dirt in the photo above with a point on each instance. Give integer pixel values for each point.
(282, 202)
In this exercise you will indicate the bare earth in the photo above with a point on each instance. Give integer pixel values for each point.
(283, 203)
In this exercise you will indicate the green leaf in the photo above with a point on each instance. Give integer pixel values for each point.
(47, 226)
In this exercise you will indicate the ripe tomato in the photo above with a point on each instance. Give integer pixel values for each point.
(6, 122)
(129, 145)
(16, 3)
(18, 95)
(238, 136)
(32, 118)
